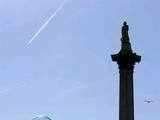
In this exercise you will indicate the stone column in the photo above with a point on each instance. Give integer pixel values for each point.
(126, 60)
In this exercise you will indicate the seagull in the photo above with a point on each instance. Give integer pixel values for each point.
(148, 101)
(42, 118)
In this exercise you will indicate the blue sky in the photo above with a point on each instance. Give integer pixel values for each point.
(67, 72)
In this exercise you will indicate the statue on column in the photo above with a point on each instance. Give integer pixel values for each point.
(125, 29)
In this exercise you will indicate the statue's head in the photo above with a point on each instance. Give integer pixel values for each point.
(124, 23)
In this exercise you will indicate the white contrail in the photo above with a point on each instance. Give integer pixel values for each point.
(11, 88)
(47, 22)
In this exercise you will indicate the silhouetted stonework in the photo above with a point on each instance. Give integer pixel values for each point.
(126, 60)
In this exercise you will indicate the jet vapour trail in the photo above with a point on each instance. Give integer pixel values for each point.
(47, 22)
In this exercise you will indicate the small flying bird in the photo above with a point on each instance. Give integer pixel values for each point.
(148, 101)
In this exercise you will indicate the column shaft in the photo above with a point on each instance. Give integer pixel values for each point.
(126, 99)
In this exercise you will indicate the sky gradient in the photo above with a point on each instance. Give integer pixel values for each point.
(66, 72)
